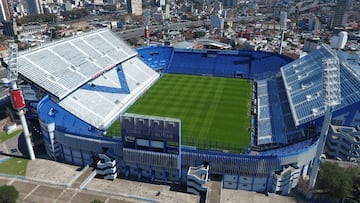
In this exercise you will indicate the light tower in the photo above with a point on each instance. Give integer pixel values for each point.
(332, 94)
(16, 95)
(146, 24)
(283, 17)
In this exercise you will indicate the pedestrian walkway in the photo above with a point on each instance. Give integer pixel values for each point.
(214, 192)
(44, 193)
(84, 175)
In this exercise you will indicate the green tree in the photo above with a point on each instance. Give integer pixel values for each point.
(37, 18)
(74, 14)
(338, 181)
(199, 34)
(8, 194)
(356, 185)
(286, 35)
(110, 7)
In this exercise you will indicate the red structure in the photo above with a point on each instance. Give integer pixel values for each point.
(147, 33)
(17, 99)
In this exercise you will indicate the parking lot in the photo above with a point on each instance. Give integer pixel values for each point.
(30, 191)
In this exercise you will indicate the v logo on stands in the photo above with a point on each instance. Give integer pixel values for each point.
(124, 88)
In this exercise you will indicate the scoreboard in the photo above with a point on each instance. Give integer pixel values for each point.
(150, 131)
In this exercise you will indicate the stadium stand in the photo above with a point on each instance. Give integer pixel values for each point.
(240, 63)
(95, 91)
(274, 120)
(158, 58)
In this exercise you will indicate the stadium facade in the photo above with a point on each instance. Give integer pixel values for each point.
(85, 84)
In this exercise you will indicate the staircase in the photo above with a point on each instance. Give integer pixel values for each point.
(107, 167)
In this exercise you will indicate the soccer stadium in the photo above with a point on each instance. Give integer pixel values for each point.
(183, 116)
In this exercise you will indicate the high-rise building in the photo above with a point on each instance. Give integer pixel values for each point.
(341, 13)
(5, 13)
(134, 7)
(278, 7)
(9, 28)
(68, 6)
(34, 7)
(339, 42)
(314, 24)
(167, 11)
(229, 3)
(162, 2)
(311, 44)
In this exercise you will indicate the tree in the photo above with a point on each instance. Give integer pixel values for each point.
(109, 7)
(198, 34)
(338, 181)
(8, 193)
(37, 18)
(286, 35)
(356, 185)
(74, 14)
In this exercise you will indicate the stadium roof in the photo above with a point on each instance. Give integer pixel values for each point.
(209, 42)
(303, 80)
(61, 67)
(94, 76)
(184, 45)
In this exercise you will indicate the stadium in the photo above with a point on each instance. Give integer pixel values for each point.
(249, 118)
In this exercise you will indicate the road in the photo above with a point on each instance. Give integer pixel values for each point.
(139, 32)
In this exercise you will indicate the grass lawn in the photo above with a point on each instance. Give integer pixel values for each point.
(4, 136)
(211, 109)
(14, 166)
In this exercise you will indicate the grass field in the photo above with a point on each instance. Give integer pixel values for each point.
(14, 166)
(211, 109)
(4, 136)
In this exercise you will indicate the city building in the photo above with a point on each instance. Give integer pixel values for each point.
(278, 7)
(9, 28)
(341, 13)
(34, 7)
(339, 42)
(311, 44)
(167, 12)
(229, 3)
(343, 143)
(134, 7)
(5, 13)
(314, 24)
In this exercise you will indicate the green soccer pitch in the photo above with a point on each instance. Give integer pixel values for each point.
(212, 110)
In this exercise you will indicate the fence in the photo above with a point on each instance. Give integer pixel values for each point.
(216, 146)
